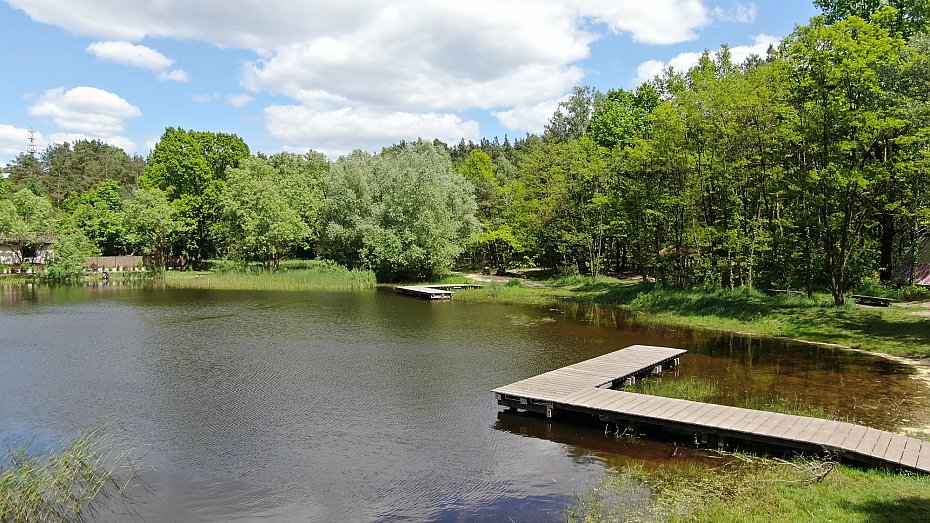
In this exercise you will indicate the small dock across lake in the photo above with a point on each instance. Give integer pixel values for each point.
(433, 292)
(588, 388)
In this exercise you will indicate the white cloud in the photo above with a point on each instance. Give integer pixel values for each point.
(234, 100)
(684, 61)
(239, 100)
(130, 54)
(337, 132)
(532, 118)
(85, 110)
(653, 22)
(205, 98)
(139, 56)
(175, 75)
(401, 55)
(383, 62)
(741, 13)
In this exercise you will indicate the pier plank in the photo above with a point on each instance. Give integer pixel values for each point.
(583, 387)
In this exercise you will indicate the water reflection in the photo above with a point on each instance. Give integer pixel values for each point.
(364, 406)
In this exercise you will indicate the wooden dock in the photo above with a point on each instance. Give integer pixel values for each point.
(433, 292)
(586, 388)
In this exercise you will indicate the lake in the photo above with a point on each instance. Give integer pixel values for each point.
(364, 406)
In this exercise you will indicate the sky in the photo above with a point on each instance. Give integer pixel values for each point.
(339, 75)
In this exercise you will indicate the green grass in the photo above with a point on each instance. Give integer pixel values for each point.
(701, 389)
(689, 388)
(892, 330)
(290, 276)
(747, 488)
(65, 483)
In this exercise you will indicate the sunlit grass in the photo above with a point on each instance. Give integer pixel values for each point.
(65, 483)
(743, 487)
(893, 330)
(688, 388)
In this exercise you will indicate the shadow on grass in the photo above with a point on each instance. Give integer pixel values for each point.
(911, 508)
(792, 316)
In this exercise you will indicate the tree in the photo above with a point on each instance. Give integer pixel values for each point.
(150, 224)
(98, 212)
(905, 17)
(70, 258)
(27, 218)
(623, 116)
(69, 170)
(573, 115)
(405, 214)
(259, 221)
(190, 167)
(848, 125)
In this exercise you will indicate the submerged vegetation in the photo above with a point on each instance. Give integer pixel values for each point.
(747, 488)
(69, 482)
(705, 390)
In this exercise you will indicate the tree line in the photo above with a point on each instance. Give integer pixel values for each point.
(804, 168)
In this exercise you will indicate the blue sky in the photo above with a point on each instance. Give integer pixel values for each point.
(332, 75)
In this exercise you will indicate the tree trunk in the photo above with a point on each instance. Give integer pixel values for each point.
(886, 268)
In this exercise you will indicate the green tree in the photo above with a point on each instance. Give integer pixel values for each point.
(259, 221)
(623, 116)
(405, 214)
(571, 119)
(848, 124)
(150, 224)
(70, 259)
(27, 218)
(98, 212)
(190, 167)
(906, 17)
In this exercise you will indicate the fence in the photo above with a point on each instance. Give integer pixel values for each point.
(116, 263)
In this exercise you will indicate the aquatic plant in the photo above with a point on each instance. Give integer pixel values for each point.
(68, 482)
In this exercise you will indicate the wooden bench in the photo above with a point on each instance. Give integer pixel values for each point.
(876, 301)
(784, 292)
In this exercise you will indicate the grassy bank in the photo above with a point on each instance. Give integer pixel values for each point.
(747, 488)
(64, 483)
(290, 276)
(892, 330)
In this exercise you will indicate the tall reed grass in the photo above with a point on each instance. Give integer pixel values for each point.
(68, 482)
(295, 275)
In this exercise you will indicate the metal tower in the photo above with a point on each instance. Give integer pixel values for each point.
(31, 148)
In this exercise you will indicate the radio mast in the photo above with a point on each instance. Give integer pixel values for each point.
(31, 148)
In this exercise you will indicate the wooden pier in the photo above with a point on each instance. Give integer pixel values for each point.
(433, 292)
(587, 388)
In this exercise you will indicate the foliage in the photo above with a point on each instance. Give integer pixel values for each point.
(742, 487)
(405, 214)
(70, 260)
(190, 167)
(150, 224)
(98, 212)
(294, 275)
(258, 219)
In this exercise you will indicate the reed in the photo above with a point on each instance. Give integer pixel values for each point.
(743, 487)
(295, 276)
(64, 483)
(688, 388)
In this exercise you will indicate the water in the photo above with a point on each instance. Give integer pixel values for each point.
(362, 406)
